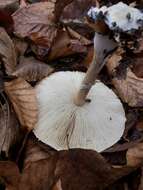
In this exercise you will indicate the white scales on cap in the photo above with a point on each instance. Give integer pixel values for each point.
(119, 16)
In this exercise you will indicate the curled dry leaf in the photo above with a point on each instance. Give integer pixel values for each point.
(24, 101)
(134, 155)
(7, 52)
(32, 70)
(40, 160)
(68, 46)
(59, 6)
(129, 86)
(138, 67)
(79, 8)
(20, 46)
(78, 36)
(86, 169)
(36, 21)
(10, 174)
(9, 128)
(63, 170)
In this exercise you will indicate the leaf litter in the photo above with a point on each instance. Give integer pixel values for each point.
(36, 38)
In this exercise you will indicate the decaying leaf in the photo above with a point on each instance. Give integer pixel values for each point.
(129, 86)
(7, 52)
(20, 46)
(134, 155)
(64, 45)
(36, 21)
(24, 101)
(45, 169)
(9, 128)
(10, 174)
(39, 159)
(138, 67)
(79, 8)
(78, 36)
(57, 186)
(9, 4)
(31, 69)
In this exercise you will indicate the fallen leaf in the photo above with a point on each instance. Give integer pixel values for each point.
(68, 46)
(78, 36)
(86, 169)
(31, 69)
(57, 186)
(59, 6)
(9, 4)
(45, 169)
(138, 67)
(38, 167)
(9, 129)
(9, 173)
(7, 52)
(79, 8)
(129, 87)
(20, 46)
(36, 21)
(23, 3)
(134, 155)
(23, 99)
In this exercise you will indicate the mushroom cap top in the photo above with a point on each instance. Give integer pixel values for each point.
(62, 125)
(119, 17)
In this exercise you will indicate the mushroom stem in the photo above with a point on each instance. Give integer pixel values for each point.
(102, 45)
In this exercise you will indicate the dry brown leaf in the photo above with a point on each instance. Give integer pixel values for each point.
(9, 129)
(78, 36)
(24, 101)
(79, 169)
(20, 46)
(9, 4)
(57, 186)
(78, 9)
(86, 169)
(134, 155)
(36, 21)
(138, 67)
(39, 166)
(7, 52)
(129, 87)
(9, 173)
(31, 69)
(65, 46)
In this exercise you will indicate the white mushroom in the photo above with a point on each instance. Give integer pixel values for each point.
(119, 17)
(74, 115)
(62, 124)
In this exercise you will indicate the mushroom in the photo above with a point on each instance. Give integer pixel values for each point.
(125, 22)
(78, 111)
(119, 17)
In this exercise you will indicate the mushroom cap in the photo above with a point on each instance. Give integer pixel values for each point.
(119, 17)
(62, 125)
